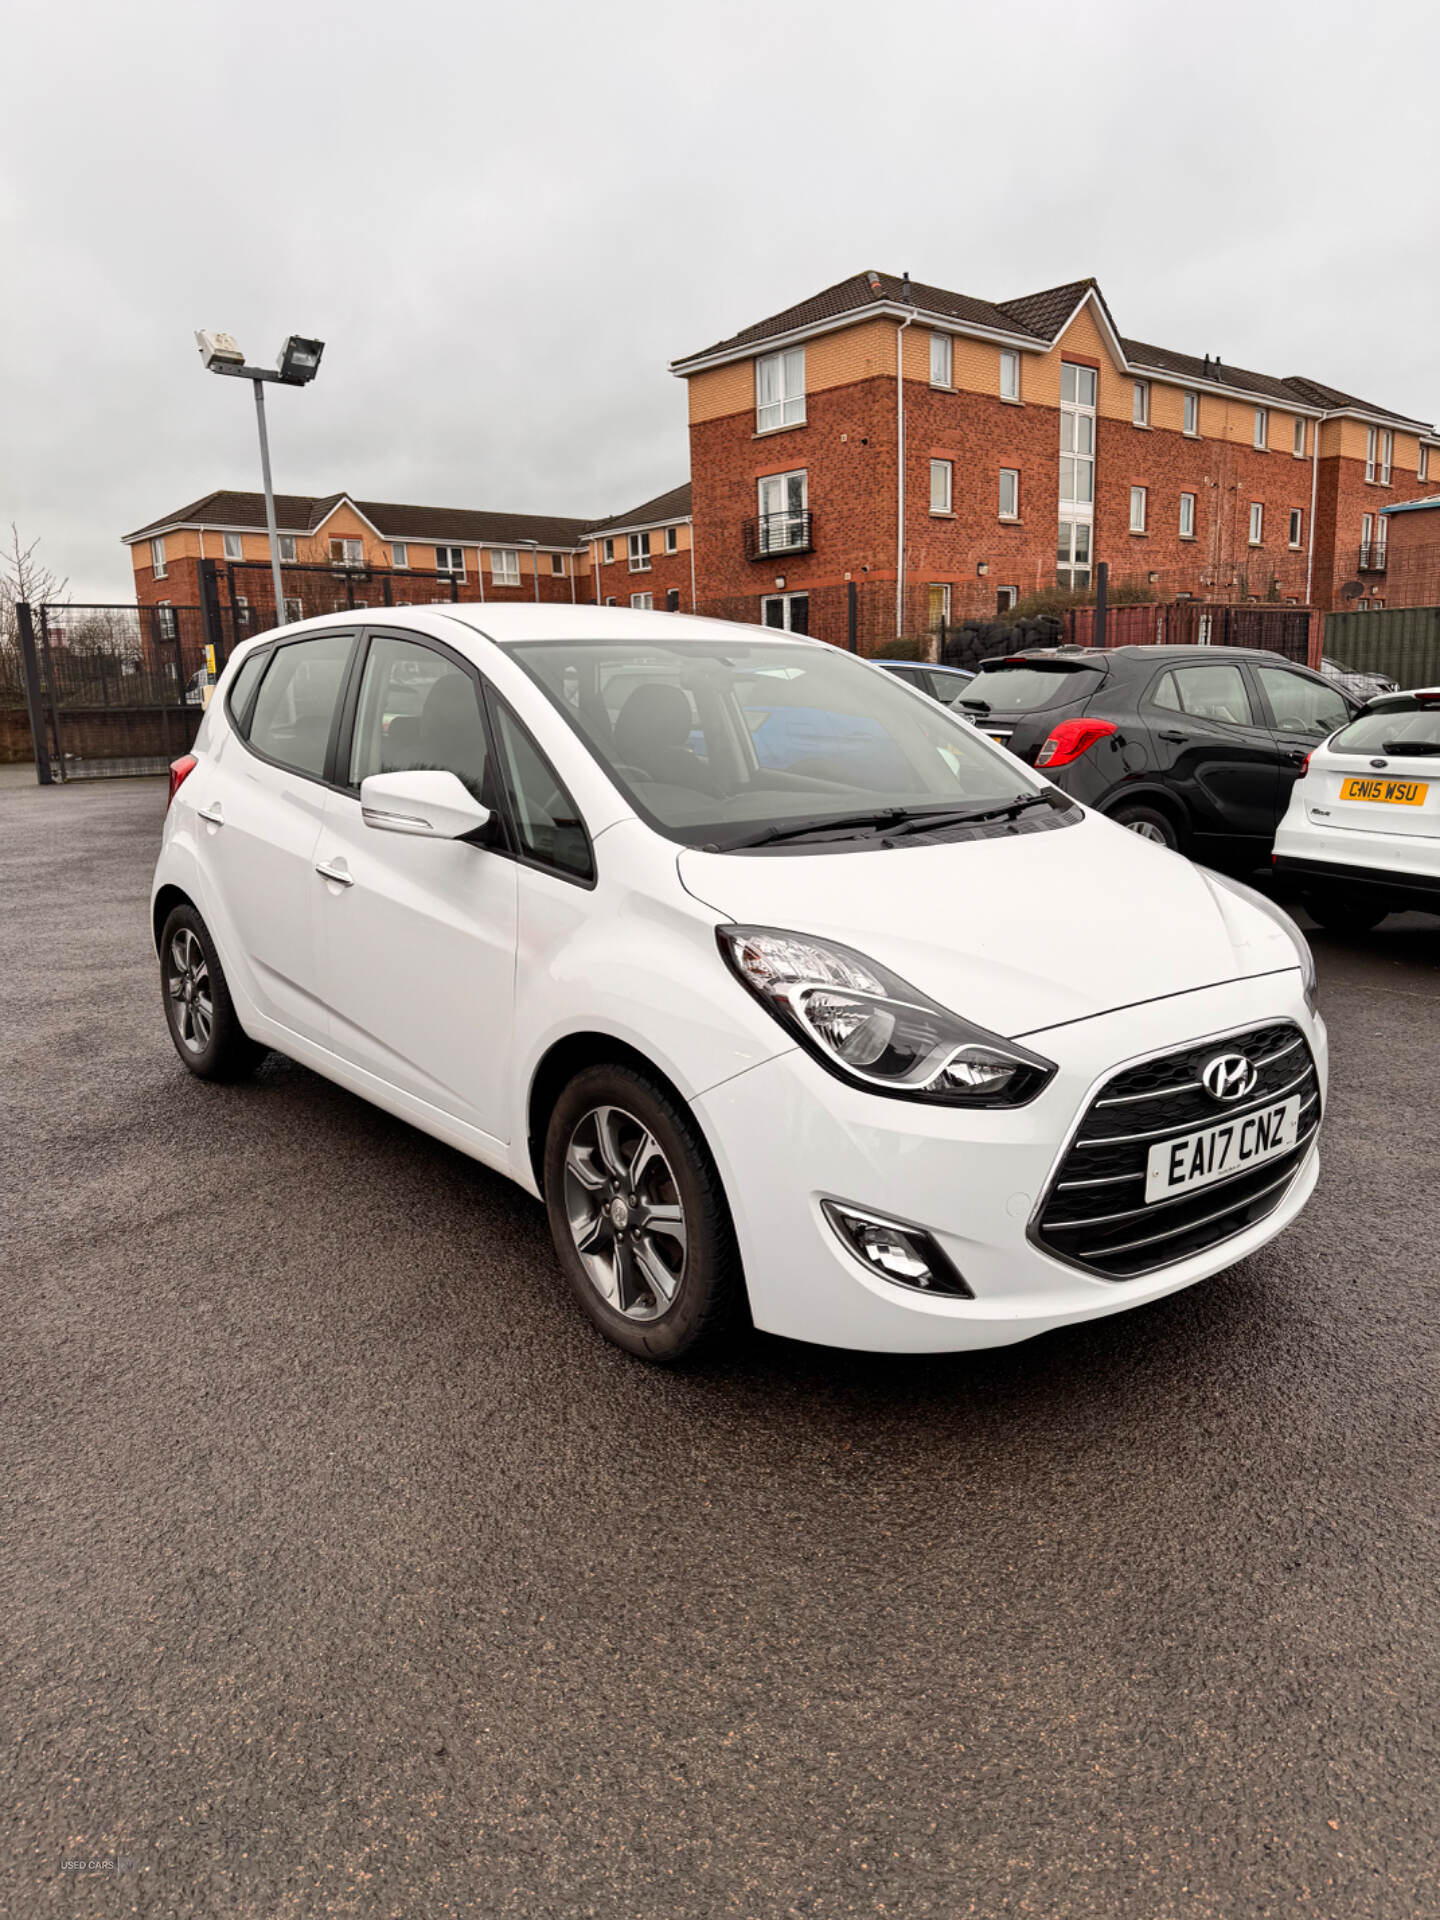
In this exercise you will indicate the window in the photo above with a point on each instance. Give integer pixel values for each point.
(557, 563)
(417, 710)
(607, 551)
(1140, 403)
(1072, 558)
(243, 686)
(294, 607)
(1009, 493)
(1187, 516)
(672, 539)
(1005, 598)
(642, 602)
(399, 554)
(505, 566)
(1371, 437)
(547, 820)
(1387, 456)
(1077, 436)
(672, 599)
(287, 549)
(783, 499)
(1297, 527)
(1422, 462)
(242, 610)
(1257, 523)
(790, 611)
(234, 544)
(1009, 375)
(1262, 427)
(165, 614)
(1208, 693)
(1299, 704)
(939, 598)
(157, 554)
(1367, 537)
(780, 390)
(295, 707)
(940, 360)
(1299, 438)
(941, 479)
(1137, 509)
(1192, 413)
(346, 553)
(452, 560)
(610, 600)
(639, 544)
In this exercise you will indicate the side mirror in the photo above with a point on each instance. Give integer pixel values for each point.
(434, 804)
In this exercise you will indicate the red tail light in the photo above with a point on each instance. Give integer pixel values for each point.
(180, 771)
(1070, 739)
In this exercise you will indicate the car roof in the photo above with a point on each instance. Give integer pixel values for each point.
(508, 625)
(1102, 656)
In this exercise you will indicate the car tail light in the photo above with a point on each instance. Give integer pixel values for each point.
(180, 771)
(1070, 739)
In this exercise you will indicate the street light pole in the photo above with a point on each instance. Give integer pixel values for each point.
(270, 526)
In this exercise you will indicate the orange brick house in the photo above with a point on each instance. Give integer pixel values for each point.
(645, 558)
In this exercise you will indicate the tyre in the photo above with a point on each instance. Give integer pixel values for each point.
(1341, 912)
(639, 1218)
(1149, 822)
(198, 1009)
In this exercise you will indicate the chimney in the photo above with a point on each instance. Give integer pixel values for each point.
(905, 293)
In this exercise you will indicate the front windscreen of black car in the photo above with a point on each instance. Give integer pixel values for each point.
(1030, 685)
(1389, 729)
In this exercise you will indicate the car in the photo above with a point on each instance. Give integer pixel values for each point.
(1195, 748)
(873, 1038)
(1361, 686)
(1361, 836)
(945, 684)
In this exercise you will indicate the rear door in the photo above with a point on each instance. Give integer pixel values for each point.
(1301, 710)
(1212, 750)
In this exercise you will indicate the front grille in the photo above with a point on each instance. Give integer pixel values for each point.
(1094, 1213)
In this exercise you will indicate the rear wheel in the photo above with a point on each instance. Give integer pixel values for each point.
(198, 1009)
(1341, 912)
(1149, 822)
(639, 1218)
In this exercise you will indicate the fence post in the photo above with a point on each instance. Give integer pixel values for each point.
(1102, 605)
(210, 630)
(1315, 640)
(349, 590)
(385, 589)
(455, 586)
(34, 701)
(852, 616)
(47, 665)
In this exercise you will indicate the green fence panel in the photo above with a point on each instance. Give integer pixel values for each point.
(1403, 642)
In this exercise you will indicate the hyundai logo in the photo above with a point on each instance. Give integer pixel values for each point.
(1229, 1076)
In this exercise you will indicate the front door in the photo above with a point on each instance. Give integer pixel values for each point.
(417, 936)
(1213, 751)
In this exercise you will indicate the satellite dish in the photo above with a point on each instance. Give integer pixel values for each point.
(1351, 590)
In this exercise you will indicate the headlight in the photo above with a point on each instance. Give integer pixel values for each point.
(1308, 977)
(875, 1030)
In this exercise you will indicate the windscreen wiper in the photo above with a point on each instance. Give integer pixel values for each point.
(1399, 748)
(976, 816)
(797, 829)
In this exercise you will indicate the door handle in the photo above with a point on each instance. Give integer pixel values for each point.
(337, 871)
(212, 813)
(1174, 735)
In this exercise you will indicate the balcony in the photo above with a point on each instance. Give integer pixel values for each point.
(772, 534)
(1372, 556)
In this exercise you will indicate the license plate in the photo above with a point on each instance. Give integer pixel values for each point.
(1196, 1159)
(1389, 793)
(1000, 739)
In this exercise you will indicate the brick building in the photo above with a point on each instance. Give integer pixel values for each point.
(1033, 440)
(1404, 569)
(645, 558)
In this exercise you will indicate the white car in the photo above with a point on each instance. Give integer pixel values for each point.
(1361, 837)
(789, 993)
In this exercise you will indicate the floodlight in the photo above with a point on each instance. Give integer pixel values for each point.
(219, 349)
(299, 360)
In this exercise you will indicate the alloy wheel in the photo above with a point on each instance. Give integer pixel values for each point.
(625, 1213)
(187, 981)
(1148, 830)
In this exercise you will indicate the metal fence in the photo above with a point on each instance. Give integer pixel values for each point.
(244, 593)
(1403, 642)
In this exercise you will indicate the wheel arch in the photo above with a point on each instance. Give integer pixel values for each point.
(166, 900)
(1160, 798)
(558, 1066)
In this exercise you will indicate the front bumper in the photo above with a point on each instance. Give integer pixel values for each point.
(787, 1135)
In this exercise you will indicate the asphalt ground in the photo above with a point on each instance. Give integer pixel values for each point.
(346, 1571)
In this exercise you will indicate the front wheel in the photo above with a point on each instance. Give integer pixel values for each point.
(1341, 912)
(1149, 822)
(198, 1009)
(639, 1218)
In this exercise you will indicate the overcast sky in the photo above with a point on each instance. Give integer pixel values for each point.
(505, 221)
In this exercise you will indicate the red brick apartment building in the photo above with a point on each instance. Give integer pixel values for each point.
(965, 453)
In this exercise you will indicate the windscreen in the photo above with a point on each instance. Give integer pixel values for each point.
(730, 744)
(1003, 688)
(1414, 729)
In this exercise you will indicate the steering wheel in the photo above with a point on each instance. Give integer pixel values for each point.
(624, 766)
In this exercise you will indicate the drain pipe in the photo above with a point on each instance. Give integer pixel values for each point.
(900, 480)
(1314, 483)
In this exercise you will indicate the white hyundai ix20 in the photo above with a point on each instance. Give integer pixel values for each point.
(788, 992)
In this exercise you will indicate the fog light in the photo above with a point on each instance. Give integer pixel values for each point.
(904, 1255)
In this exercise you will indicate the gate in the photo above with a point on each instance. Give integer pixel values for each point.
(1197, 623)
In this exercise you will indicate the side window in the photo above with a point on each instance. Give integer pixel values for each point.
(242, 688)
(1301, 705)
(546, 818)
(1214, 693)
(295, 706)
(1165, 694)
(418, 711)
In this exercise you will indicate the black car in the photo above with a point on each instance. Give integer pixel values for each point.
(1196, 747)
(945, 684)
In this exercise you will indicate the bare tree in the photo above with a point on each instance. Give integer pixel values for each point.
(25, 576)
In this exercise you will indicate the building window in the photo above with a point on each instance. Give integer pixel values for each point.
(1387, 456)
(1140, 403)
(504, 566)
(1072, 555)
(788, 611)
(672, 599)
(287, 549)
(234, 544)
(780, 390)
(399, 554)
(1367, 537)
(1299, 439)
(1137, 509)
(165, 613)
(941, 483)
(1005, 598)
(157, 548)
(242, 610)
(1009, 375)
(607, 552)
(1371, 436)
(1077, 434)
(1422, 463)
(557, 563)
(939, 597)
(672, 539)
(609, 599)
(639, 544)
(1192, 413)
(1297, 527)
(346, 553)
(783, 498)
(643, 602)
(940, 360)
(1187, 516)
(294, 607)
(452, 560)
(1257, 523)
(1009, 493)
(1262, 427)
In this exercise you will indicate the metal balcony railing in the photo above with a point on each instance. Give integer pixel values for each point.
(775, 533)
(1372, 556)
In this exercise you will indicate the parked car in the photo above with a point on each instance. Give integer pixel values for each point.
(1360, 686)
(1195, 748)
(1362, 832)
(945, 684)
(875, 1035)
